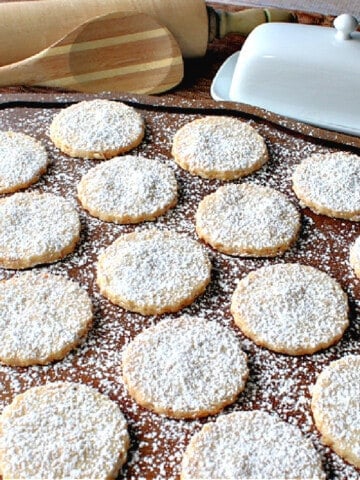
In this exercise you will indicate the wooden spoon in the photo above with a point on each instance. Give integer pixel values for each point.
(123, 51)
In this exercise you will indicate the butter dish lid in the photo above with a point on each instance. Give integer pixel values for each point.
(304, 72)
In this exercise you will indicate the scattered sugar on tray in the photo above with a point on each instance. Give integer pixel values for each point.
(93, 361)
(167, 433)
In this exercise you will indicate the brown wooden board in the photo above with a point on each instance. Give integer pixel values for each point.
(277, 383)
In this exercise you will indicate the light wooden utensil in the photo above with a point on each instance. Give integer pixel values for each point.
(123, 51)
(27, 27)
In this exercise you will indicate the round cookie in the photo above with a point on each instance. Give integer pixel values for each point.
(97, 129)
(329, 184)
(355, 257)
(22, 161)
(290, 308)
(219, 147)
(185, 367)
(42, 317)
(336, 407)
(250, 445)
(153, 272)
(128, 190)
(248, 220)
(62, 430)
(36, 228)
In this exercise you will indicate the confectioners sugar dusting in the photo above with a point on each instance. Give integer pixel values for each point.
(97, 125)
(231, 447)
(84, 432)
(42, 317)
(291, 308)
(185, 367)
(154, 269)
(331, 181)
(22, 160)
(36, 224)
(128, 189)
(277, 383)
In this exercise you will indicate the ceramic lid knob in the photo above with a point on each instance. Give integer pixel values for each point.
(345, 24)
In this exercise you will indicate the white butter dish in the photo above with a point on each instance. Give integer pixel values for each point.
(304, 72)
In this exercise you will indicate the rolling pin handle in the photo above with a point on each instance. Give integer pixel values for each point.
(243, 22)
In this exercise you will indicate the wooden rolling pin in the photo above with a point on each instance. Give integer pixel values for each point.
(27, 27)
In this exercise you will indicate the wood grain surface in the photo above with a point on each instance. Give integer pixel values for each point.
(123, 51)
(278, 383)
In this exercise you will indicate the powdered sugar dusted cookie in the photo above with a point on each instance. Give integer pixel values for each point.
(62, 430)
(153, 271)
(97, 129)
(329, 184)
(248, 220)
(22, 161)
(185, 367)
(42, 317)
(250, 445)
(128, 190)
(290, 308)
(336, 407)
(219, 147)
(355, 257)
(36, 228)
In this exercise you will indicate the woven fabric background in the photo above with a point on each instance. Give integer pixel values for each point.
(328, 7)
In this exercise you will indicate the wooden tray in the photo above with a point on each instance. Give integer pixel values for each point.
(277, 383)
